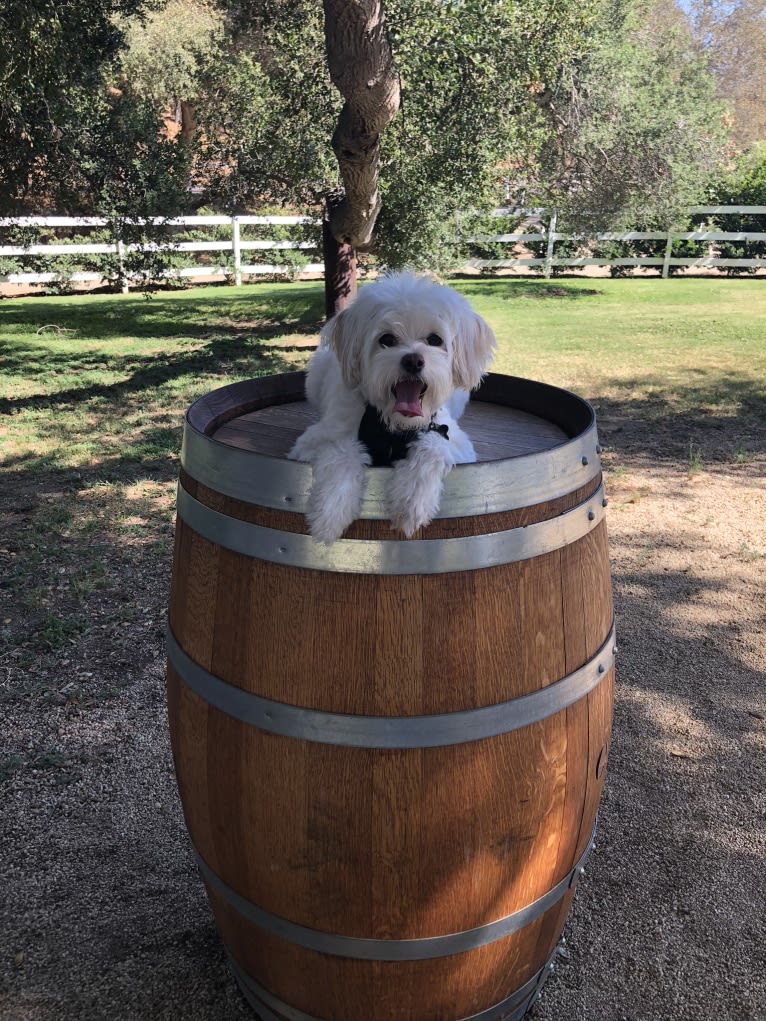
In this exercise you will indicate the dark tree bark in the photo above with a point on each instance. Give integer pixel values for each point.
(339, 264)
(362, 69)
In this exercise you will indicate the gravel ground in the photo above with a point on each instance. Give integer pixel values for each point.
(103, 915)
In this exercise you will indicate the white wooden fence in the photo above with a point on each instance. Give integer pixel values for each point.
(550, 236)
(234, 246)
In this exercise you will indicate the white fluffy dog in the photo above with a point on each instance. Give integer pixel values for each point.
(390, 379)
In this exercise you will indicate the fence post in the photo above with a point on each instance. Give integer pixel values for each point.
(236, 251)
(121, 263)
(548, 269)
(668, 252)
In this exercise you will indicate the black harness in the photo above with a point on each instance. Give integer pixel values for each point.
(383, 444)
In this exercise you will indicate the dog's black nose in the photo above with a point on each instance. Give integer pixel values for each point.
(413, 363)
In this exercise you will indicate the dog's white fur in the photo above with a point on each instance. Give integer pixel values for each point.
(351, 369)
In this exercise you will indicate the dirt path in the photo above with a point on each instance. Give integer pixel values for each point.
(669, 922)
(103, 915)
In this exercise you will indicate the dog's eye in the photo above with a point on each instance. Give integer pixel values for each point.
(434, 340)
(387, 340)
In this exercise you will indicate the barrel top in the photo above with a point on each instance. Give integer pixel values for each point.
(496, 428)
(535, 441)
(496, 432)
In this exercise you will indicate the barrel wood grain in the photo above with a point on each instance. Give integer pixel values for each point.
(496, 431)
(388, 843)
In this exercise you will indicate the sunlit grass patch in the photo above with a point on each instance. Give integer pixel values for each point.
(138, 508)
(112, 393)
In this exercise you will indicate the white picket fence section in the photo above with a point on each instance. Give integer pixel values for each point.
(238, 268)
(234, 246)
(550, 236)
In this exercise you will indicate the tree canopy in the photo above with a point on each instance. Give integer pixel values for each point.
(732, 35)
(602, 106)
(52, 62)
(71, 140)
(637, 132)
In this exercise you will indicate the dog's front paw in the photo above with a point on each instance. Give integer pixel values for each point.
(415, 490)
(306, 446)
(413, 510)
(324, 527)
(409, 519)
(336, 494)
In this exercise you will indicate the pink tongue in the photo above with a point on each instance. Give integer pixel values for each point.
(407, 393)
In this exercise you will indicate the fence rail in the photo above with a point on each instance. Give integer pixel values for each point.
(543, 233)
(234, 246)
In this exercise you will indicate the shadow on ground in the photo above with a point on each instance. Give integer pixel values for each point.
(105, 914)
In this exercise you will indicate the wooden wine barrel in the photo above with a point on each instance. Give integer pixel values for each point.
(390, 752)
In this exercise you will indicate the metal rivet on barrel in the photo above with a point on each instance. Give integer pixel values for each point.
(591, 515)
(601, 668)
(283, 549)
(605, 502)
(585, 460)
(599, 449)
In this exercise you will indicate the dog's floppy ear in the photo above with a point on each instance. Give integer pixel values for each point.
(474, 346)
(339, 335)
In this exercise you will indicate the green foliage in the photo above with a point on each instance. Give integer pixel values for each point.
(147, 268)
(471, 74)
(68, 142)
(640, 132)
(136, 173)
(294, 260)
(168, 49)
(604, 120)
(733, 34)
(18, 237)
(650, 248)
(267, 112)
(54, 68)
(745, 186)
(475, 233)
(576, 98)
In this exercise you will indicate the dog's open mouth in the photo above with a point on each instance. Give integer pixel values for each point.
(408, 393)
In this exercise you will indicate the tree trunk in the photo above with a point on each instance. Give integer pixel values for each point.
(339, 264)
(189, 123)
(362, 69)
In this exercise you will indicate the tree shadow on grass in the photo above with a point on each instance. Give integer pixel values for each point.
(277, 308)
(719, 417)
(228, 356)
(511, 288)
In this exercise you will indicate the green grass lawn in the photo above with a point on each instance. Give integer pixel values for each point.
(113, 390)
(93, 390)
(689, 339)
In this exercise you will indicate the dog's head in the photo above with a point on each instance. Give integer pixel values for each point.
(407, 343)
